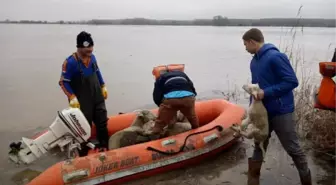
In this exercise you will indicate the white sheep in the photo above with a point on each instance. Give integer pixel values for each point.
(255, 125)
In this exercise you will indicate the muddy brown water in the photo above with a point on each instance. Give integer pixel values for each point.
(215, 58)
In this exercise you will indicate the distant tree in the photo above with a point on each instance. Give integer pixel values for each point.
(220, 21)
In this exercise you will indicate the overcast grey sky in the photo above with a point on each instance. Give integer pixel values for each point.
(162, 9)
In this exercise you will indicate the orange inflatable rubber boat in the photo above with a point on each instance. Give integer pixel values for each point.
(147, 159)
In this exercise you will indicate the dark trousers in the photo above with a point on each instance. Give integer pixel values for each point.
(99, 117)
(95, 113)
(168, 111)
(284, 128)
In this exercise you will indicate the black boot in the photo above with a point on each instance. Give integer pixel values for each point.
(306, 179)
(303, 169)
(254, 168)
(103, 137)
(84, 150)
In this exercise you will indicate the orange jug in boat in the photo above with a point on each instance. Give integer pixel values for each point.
(328, 69)
(159, 70)
(326, 96)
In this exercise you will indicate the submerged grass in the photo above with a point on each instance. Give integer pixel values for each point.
(315, 126)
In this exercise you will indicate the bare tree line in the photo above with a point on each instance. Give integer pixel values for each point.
(215, 21)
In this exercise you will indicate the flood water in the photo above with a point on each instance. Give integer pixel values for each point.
(215, 59)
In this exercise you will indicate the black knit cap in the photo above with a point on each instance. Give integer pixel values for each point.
(84, 40)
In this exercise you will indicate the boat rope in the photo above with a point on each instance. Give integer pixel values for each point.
(218, 127)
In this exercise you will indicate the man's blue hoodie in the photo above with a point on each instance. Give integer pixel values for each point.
(273, 72)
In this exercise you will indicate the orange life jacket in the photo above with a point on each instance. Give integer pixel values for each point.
(326, 97)
(159, 70)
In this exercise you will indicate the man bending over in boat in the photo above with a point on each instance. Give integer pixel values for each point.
(82, 82)
(272, 70)
(173, 91)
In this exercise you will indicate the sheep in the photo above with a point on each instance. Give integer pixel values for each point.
(255, 125)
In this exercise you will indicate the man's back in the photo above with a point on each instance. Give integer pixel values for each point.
(180, 80)
(170, 82)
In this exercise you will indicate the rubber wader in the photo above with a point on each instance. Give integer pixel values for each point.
(92, 103)
(253, 176)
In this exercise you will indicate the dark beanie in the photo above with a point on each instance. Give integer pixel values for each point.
(84, 40)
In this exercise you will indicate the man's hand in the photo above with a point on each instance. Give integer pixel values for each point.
(104, 91)
(260, 95)
(74, 103)
(236, 130)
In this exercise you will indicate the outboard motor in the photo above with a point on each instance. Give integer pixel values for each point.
(69, 130)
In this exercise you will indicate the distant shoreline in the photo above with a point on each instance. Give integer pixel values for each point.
(215, 21)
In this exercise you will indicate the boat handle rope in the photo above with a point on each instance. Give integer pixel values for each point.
(218, 127)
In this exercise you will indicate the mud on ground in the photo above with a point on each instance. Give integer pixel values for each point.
(230, 168)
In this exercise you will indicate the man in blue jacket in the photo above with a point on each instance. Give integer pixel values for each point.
(83, 84)
(273, 72)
